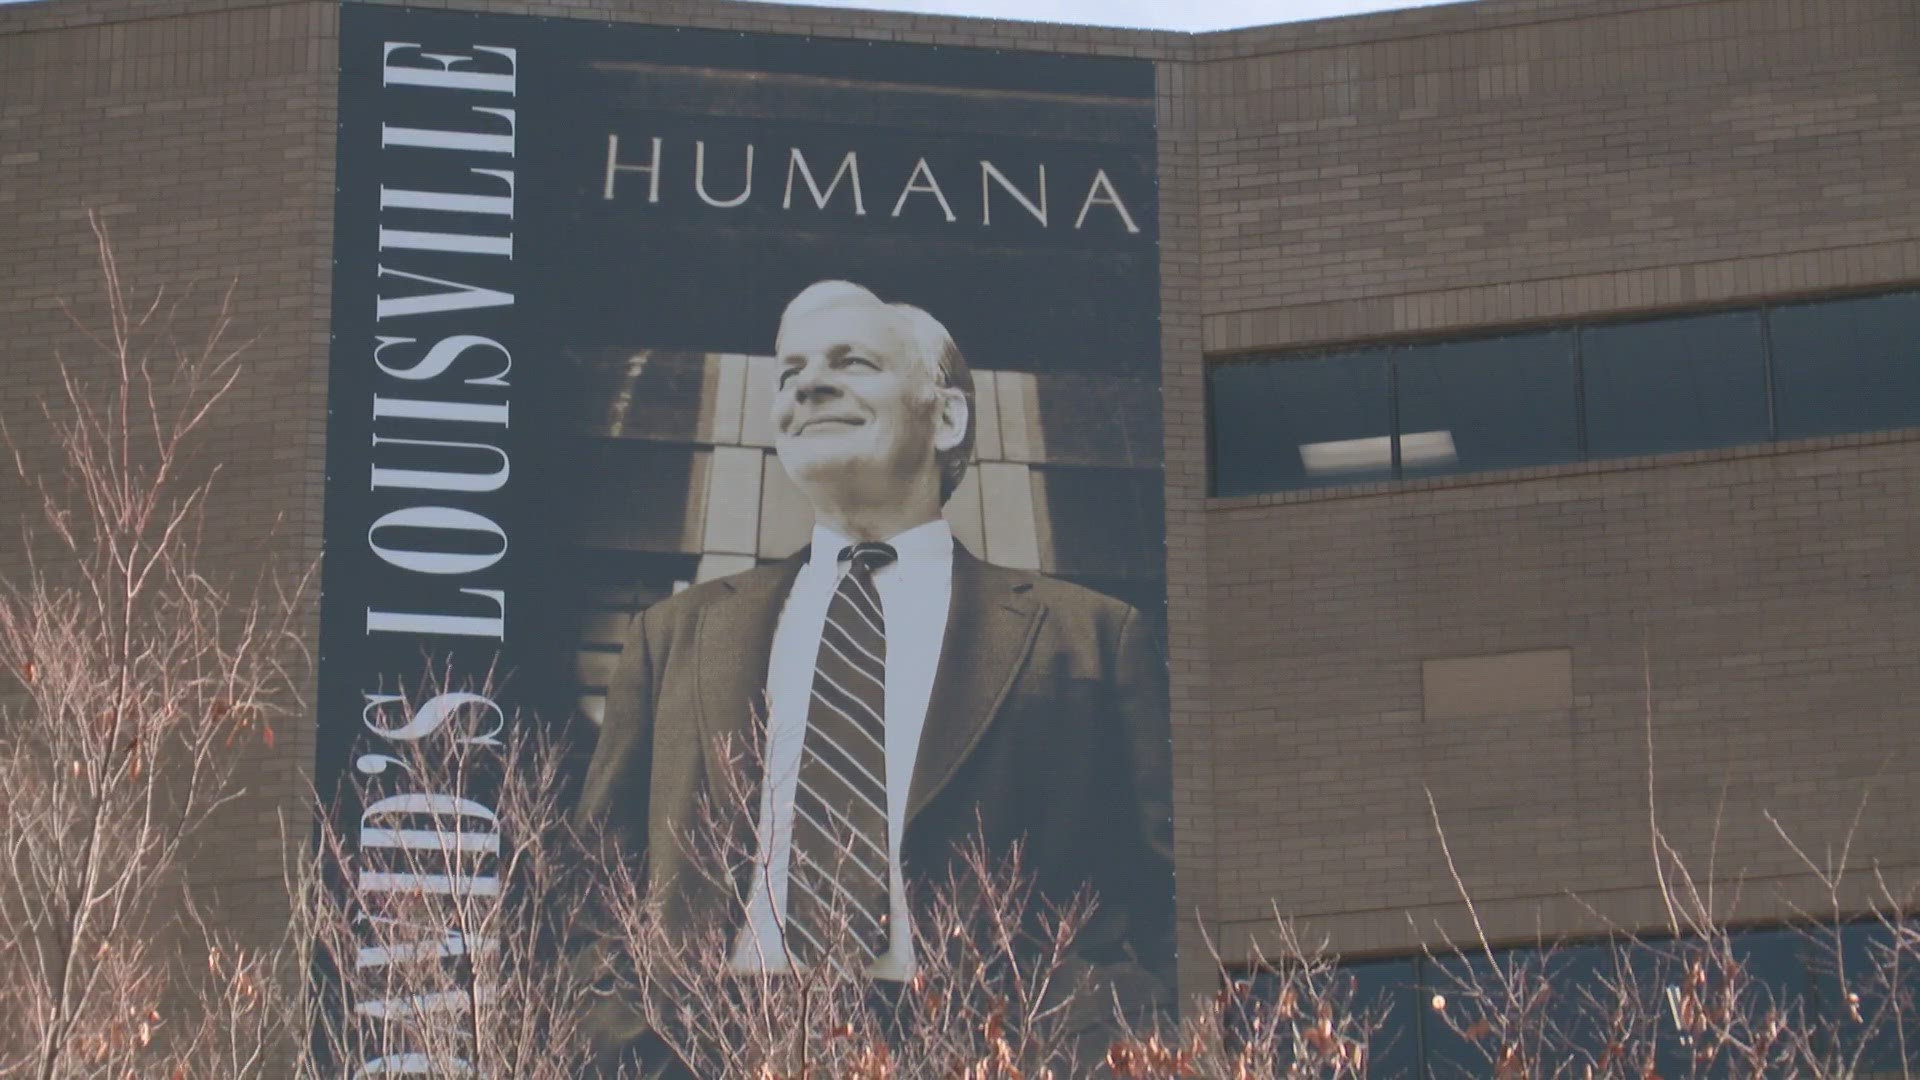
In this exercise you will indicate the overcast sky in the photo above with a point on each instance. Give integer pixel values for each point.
(1158, 14)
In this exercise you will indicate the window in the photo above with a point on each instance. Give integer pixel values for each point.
(1376, 993)
(1674, 384)
(1855, 958)
(1301, 423)
(1390, 990)
(1483, 405)
(1791, 969)
(1847, 365)
(1609, 390)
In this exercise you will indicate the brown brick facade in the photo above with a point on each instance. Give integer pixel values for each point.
(203, 135)
(1440, 170)
(1504, 163)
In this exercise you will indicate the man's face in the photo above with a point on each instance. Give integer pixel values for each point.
(856, 413)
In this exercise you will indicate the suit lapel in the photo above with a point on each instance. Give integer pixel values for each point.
(735, 642)
(990, 629)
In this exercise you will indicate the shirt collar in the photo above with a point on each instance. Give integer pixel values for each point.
(931, 541)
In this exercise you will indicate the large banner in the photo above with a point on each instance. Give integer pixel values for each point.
(689, 384)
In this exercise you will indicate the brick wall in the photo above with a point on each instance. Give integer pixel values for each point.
(204, 140)
(1505, 161)
(1769, 593)
(1425, 171)
(1488, 165)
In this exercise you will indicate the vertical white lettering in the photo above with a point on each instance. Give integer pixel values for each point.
(415, 622)
(440, 479)
(447, 944)
(434, 1001)
(442, 76)
(458, 298)
(473, 142)
(426, 802)
(454, 243)
(452, 202)
(441, 357)
(415, 1065)
(374, 881)
(431, 716)
(468, 412)
(437, 844)
(449, 519)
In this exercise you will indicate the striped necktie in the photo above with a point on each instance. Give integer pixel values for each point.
(838, 872)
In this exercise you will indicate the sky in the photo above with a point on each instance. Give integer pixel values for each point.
(1154, 14)
(1190, 15)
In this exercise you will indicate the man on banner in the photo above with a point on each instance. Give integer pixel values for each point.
(914, 695)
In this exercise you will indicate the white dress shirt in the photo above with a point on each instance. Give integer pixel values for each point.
(916, 591)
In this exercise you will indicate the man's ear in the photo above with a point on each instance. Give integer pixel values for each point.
(950, 426)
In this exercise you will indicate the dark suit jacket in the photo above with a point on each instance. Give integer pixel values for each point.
(1048, 722)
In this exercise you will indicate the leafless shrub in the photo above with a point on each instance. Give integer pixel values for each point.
(144, 685)
(1687, 1002)
(447, 919)
(494, 928)
(996, 993)
(1290, 1012)
(1503, 1014)
(235, 1021)
(437, 908)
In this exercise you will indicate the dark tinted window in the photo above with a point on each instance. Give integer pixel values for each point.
(1281, 424)
(1856, 959)
(1389, 991)
(1847, 365)
(1480, 405)
(1675, 384)
(1450, 979)
(1657, 386)
(1795, 971)
(1774, 961)
(1382, 996)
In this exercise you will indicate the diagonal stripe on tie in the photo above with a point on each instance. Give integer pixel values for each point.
(848, 767)
(869, 728)
(879, 661)
(816, 808)
(847, 871)
(851, 738)
(840, 866)
(862, 928)
(854, 659)
(866, 858)
(857, 685)
(866, 600)
(830, 700)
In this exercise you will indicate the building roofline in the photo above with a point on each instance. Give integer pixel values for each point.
(1454, 17)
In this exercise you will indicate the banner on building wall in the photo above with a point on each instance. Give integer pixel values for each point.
(642, 337)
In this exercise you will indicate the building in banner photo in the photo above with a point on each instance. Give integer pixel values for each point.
(1224, 463)
(795, 397)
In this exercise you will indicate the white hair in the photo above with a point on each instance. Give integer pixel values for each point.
(939, 358)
